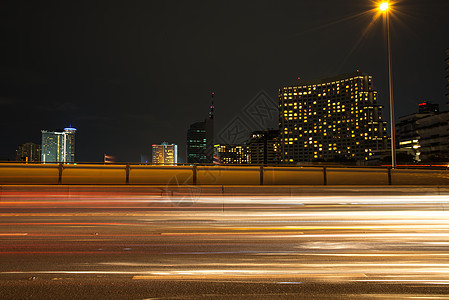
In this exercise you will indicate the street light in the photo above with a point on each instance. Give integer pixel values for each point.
(385, 8)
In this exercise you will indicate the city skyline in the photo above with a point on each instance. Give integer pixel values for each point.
(322, 100)
(125, 91)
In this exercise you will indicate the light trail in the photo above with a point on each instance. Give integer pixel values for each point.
(395, 239)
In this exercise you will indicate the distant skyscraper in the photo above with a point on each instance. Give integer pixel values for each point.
(200, 140)
(165, 154)
(29, 152)
(232, 154)
(58, 146)
(264, 147)
(331, 118)
(196, 143)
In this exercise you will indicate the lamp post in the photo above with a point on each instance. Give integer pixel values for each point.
(385, 8)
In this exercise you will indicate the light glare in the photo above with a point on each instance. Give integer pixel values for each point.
(383, 6)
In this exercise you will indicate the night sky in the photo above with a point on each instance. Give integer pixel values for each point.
(128, 74)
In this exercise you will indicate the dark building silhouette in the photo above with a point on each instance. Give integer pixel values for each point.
(29, 152)
(264, 147)
(428, 107)
(200, 140)
(332, 118)
(196, 143)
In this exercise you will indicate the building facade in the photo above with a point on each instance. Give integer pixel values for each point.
(165, 154)
(264, 147)
(29, 152)
(425, 134)
(200, 140)
(331, 119)
(232, 154)
(196, 143)
(58, 146)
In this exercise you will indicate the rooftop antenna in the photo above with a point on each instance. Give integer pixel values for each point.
(211, 112)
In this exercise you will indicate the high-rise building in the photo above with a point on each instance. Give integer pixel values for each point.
(200, 140)
(264, 147)
(29, 152)
(196, 143)
(425, 134)
(58, 146)
(329, 119)
(165, 154)
(232, 154)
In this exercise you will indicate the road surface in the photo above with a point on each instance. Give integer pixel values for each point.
(191, 246)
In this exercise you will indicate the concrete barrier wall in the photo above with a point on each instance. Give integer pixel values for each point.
(219, 175)
(419, 177)
(293, 176)
(30, 174)
(214, 175)
(92, 174)
(169, 175)
(357, 176)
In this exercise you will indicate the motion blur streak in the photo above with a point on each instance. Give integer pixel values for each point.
(396, 239)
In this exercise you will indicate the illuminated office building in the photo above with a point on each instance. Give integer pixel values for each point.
(232, 154)
(29, 152)
(264, 147)
(165, 154)
(58, 146)
(329, 119)
(200, 140)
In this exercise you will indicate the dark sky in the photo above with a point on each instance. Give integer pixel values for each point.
(128, 74)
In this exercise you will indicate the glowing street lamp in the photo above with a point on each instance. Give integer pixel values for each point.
(384, 7)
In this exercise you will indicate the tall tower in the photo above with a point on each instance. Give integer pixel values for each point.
(210, 132)
(200, 139)
(69, 145)
(58, 146)
(212, 107)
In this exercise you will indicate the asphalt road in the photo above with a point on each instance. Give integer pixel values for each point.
(93, 245)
